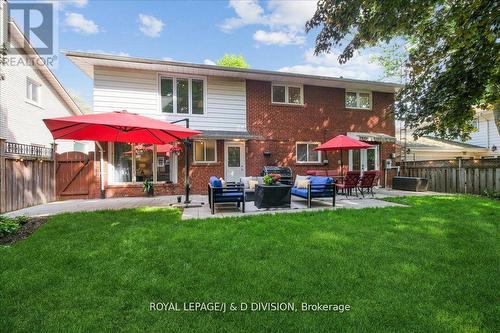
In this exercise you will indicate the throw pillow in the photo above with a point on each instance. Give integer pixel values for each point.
(303, 183)
(224, 183)
(252, 184)
(299, 178)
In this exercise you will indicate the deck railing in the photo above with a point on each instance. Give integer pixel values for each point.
(13, 148)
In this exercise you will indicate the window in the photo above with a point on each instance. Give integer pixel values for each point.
(33, 91)
(167, 95)
(306, 152)
(287, 94)
(122, 162)
(143, 163)
(205, 151)
(197, 96)
(138, 162)
(182, 95)
(358, 100)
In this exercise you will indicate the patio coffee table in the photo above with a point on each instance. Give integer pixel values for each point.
(273, 196)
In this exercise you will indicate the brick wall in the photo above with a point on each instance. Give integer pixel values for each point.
(279, 127)
(322, 117)
(199, 174)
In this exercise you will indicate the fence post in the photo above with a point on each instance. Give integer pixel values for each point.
(3, 190)
(54, 170)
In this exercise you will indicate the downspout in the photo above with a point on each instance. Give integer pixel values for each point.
(101, 167)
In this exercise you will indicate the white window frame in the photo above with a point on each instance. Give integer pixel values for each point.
(363, 156)
(29, 92)
(195, 161)
(286, 85)
(319, 161)
(190, 93)
(111, 166)
(357, 92)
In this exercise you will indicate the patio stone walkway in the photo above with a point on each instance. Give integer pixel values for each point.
(204, 211)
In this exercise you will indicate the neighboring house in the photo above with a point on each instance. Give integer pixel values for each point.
(484, 142)
(249, 119)
(429, 148)
(30, 93)
(487, 134)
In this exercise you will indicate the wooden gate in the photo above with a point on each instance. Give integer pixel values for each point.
(73, 175)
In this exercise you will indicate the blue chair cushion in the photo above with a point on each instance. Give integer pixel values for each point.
(215, 182)
(228, 197)
(302, 192)
(317, 181)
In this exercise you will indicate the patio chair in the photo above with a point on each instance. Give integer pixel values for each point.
(317, 187)
(350, 182)
(367, 182)
(233, 192)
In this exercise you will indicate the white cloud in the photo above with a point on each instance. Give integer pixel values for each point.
(359, 67)
(280, 38)
(150, 25)
(247, 11)
(285, 19)
(291, 14)
(209, 62)
(167, 59)
(78, 23)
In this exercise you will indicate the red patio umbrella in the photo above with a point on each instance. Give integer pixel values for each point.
(119, 126)
(342, 142)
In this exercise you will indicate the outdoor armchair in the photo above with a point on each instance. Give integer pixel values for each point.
(367, 182)
(317, 187)
(232, 192)
(350, 182)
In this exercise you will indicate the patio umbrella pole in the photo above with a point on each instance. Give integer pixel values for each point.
(187, 144)
(101, 167)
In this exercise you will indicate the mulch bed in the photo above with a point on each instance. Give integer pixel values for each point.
(25, 231)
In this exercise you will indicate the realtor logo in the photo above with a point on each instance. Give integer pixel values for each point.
(38, 22)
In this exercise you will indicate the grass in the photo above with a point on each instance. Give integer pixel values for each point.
(432, 266)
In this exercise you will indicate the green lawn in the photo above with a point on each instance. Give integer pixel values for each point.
(433, 266)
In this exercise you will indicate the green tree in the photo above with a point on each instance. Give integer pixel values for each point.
(451, 68)
(232, 60)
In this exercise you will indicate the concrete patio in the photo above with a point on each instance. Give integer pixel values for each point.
(203, 211)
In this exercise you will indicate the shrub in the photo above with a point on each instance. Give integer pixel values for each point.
(8, 226)
(492, 194)
(22, 220)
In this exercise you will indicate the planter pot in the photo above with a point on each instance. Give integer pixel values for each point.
(151, 193)
(179, 199)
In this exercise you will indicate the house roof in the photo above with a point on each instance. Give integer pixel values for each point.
(87, 61)
(21, 39)
(428, 143)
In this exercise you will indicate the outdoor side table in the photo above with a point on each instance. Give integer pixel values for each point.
(273, 196)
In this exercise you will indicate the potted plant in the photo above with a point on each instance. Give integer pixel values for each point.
(147, 187)
(272, 179)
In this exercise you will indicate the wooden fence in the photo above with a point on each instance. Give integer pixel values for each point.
(473, 176)
(27, 175)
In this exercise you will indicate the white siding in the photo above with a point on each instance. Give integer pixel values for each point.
(137, 91)
(487, 134)
(21, 121)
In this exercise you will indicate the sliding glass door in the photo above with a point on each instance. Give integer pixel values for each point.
(364, 159)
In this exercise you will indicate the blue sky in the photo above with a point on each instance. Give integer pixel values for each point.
(270, 34)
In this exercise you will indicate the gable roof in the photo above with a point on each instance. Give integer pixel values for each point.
(17, 35)
(429, 143)
(87, 61)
